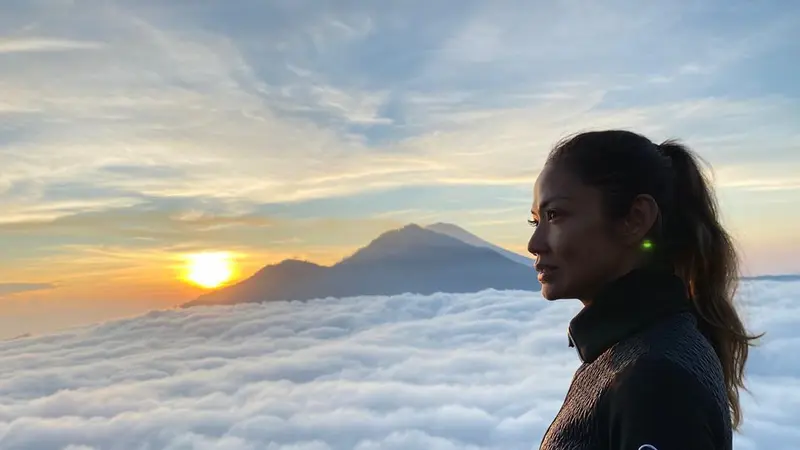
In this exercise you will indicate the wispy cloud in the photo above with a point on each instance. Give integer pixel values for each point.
(222, 113)
(16, 288)
(765, 184)
(29, 45)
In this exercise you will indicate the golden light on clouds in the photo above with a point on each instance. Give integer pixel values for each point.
(209, 269)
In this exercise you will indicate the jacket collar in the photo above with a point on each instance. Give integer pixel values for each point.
(623, 307)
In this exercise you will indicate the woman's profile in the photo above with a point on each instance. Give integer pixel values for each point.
(631, 229)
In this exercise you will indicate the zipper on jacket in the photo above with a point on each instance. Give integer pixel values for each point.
(572, 344)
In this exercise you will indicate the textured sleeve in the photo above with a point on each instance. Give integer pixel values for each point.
(658, 405)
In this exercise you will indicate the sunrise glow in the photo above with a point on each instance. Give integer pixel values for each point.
(209, 270)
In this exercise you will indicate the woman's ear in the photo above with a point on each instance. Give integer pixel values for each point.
(640, 219)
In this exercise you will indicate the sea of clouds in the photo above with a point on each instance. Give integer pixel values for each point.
(468, 371)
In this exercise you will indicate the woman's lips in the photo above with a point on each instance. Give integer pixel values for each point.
(545, 272)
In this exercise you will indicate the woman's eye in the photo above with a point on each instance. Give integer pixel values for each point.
(549, 216)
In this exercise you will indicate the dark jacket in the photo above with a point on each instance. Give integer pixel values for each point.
(650, 380)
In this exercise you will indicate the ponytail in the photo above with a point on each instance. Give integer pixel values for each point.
(703, 255)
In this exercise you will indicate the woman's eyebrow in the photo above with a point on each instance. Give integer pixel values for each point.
(546, 202)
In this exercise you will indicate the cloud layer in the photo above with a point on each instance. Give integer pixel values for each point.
(478, 371)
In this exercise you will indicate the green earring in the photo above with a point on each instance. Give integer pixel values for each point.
(647, 245)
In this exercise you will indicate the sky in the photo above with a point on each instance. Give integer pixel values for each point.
(486, 370)
(134, 133)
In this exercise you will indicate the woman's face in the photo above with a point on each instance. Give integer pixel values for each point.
(573, 243)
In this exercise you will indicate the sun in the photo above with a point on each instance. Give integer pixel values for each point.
(209, 269)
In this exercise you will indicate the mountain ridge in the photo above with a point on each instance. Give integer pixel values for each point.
(411, 259)
(465, 236)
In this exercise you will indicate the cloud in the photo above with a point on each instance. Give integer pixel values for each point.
(226, 111)
(41, 44)
(765, 184)
(476, 371)
(45, 45)
(16, 288)
(290, 103)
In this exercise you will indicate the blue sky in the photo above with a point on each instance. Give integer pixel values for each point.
(135, 131)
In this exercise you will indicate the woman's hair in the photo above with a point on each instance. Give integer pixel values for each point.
(687, 237)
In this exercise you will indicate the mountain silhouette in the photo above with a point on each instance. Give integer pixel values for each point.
(465, 236)
(411, 259)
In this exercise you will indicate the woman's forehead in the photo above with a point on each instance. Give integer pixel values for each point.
(558, 186)
(555, 183)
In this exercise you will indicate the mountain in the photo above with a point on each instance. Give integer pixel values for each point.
(465, 236)
(290, 279)
(411, 259)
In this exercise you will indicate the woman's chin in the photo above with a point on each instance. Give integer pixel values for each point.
(550, 292)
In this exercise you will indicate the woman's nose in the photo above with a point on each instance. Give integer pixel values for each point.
(537, 243)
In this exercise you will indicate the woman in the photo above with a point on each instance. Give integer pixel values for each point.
(631, 229)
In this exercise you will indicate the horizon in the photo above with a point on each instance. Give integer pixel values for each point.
(6, 336)
(154, 151)
(426, 226)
